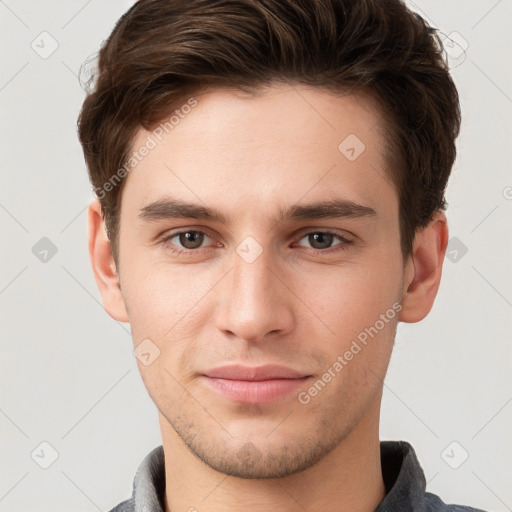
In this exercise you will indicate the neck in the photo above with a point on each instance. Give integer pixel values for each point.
(349, 478)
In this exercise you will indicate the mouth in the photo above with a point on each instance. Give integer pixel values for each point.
(254, 385)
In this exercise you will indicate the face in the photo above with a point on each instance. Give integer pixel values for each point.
(272, 317)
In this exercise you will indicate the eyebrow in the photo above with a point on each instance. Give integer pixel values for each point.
(169, 208)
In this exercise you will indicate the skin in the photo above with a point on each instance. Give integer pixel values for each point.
(249, 157)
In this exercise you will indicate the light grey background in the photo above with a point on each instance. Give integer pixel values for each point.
(68, 375)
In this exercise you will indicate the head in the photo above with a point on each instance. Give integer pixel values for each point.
(270, 180)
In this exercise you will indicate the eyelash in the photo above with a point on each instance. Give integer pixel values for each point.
(345, 243)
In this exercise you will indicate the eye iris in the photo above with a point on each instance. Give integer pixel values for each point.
(323, 239)
(191, 239)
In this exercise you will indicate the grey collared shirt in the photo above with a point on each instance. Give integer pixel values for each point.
(403, 478)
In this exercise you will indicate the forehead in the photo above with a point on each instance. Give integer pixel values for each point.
(257, 152)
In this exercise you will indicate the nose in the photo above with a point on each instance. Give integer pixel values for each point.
(256, 304)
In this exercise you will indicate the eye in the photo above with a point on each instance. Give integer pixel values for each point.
(189, 242)
(322, 240)
(185, 241)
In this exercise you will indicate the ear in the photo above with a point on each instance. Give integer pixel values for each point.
(103, 264)
(423, 270)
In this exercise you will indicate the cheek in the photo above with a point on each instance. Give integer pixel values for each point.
(350, 299)
(161, 295)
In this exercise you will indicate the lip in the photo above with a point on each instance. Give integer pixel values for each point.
(254, 373)
(255, 385)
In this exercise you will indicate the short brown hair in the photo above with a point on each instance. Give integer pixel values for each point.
(163, 51)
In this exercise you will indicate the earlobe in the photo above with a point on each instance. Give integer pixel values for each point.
(423, 270)
(103, 264)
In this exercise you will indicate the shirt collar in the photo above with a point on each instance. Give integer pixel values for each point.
(403, 478)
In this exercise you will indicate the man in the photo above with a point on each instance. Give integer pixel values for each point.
(270, 180)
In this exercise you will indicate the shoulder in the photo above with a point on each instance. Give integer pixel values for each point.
(435, 504)
(405, 483)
